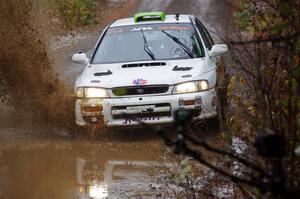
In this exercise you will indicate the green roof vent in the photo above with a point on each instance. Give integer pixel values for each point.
(149, 16)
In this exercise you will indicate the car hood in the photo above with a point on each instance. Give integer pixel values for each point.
(118, 75)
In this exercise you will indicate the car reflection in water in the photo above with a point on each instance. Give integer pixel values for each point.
(94, 178)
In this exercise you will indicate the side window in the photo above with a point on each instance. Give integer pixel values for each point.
(204, 34)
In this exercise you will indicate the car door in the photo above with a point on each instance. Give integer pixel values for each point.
(208, 41)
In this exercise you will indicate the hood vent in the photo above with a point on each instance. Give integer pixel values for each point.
(103, 73)
(176, 68)
(144, 64)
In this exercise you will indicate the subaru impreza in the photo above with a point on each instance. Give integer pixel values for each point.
(144, 68)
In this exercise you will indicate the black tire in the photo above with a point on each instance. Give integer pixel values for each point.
(219, 120)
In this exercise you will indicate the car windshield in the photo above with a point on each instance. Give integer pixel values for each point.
(148, 42)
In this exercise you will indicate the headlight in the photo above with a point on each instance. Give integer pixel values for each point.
(202, 85)
(190, 87)
(91, 93)
(95, 93)
(80, 92)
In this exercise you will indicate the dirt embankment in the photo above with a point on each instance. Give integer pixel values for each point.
(28, 81)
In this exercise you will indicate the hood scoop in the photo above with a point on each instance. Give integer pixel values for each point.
(108, 72)
(177, 68)
(144, 64)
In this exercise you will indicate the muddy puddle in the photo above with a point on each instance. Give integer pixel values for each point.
(79, 169)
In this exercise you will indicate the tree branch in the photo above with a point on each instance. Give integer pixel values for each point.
(223, 152)
(265, 40)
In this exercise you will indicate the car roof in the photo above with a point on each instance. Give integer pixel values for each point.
(168, 19)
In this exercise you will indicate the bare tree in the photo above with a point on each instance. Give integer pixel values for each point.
(264, 98)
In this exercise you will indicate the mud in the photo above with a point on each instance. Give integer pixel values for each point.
(29, 83)
(47, 163)
(34, 74)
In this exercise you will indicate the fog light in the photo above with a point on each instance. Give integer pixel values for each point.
(92, 108)
(94, 119)
(189, 102)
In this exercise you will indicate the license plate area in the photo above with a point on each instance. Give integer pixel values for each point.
(140, 108)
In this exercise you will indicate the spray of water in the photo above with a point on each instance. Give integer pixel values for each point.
(27, 81)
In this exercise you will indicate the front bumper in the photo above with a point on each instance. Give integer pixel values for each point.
(148, 109)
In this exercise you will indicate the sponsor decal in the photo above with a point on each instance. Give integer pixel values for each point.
(140, 119)
(141, 28)
(139, 81)
(183, 28)
(125, 29)
(115, 31)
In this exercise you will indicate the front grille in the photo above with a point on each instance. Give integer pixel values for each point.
(142, 111)
(143, 115)
(156, 105)
(140, 90)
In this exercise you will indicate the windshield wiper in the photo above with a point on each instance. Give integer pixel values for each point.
(146, 46)
(182, 45)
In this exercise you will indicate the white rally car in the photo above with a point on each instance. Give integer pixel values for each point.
(146, 67)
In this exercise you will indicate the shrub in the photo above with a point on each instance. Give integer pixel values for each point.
(74, 12)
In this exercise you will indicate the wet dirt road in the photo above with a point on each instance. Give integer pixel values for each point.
(44, 162)
(124, 165)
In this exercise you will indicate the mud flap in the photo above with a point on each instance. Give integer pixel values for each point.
(94, 130)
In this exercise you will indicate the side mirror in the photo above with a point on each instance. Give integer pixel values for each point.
(80, 58)
(218, 50)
